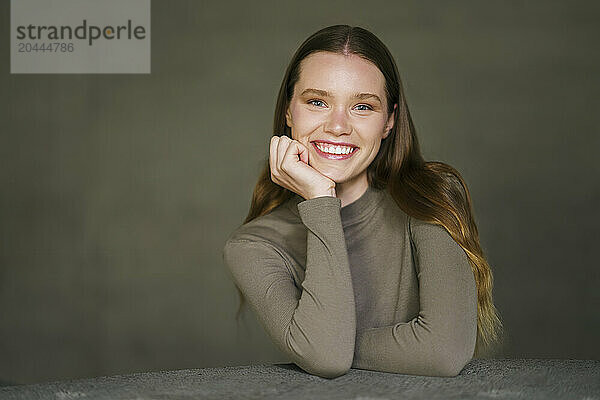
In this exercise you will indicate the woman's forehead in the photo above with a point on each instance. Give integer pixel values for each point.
(340, 74)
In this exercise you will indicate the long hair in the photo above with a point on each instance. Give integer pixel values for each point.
(431, 191)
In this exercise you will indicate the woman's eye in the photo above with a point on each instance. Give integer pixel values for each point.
(315, 101)
(320, 103)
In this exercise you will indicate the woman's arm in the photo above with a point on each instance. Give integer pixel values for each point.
(314, 326)
(441, 339)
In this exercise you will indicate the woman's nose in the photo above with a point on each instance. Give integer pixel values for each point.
(337, 122)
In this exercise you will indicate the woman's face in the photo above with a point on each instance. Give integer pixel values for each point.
(339, 100)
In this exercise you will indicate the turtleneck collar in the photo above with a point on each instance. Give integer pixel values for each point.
(353, 212)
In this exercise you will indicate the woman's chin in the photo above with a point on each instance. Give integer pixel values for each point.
(336, 177)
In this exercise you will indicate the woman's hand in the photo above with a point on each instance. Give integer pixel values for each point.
(289, 168)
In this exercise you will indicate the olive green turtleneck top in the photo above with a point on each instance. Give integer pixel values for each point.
(363, 286)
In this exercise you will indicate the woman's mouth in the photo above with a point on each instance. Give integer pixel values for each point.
(333, 152)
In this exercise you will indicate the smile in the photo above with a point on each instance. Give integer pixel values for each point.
(332, 152)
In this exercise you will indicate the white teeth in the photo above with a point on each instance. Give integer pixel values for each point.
(334, 149)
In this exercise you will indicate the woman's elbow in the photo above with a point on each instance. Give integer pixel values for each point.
(446, 371)
(453, 353)
(330, 371)
(328, 367)
(449, 364)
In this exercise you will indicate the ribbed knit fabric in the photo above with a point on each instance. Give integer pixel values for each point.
(362, 286)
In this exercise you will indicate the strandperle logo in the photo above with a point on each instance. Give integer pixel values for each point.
(83, 31)
(80, 36)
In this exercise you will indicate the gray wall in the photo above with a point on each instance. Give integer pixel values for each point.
(118, 191)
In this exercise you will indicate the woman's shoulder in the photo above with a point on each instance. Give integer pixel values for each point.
(421, 229)
(273, 228)
(432, 238)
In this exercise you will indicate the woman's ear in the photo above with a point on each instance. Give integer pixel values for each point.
(390, 122)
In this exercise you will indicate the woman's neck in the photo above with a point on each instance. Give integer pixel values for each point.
(350, 191)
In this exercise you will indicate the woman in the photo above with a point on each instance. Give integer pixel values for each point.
(356, 252)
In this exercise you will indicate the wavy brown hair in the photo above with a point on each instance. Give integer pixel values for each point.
(430, 191)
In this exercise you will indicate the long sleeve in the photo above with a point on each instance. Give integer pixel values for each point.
(440, 340)
(314, 326)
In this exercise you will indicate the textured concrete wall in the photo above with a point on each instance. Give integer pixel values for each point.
(118, 191)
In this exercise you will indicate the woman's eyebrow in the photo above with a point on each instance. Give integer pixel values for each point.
(324, 93)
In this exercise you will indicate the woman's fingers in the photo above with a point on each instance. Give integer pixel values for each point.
(303, 153)
(273, 152)
(282, 146)
(288, 161)
(277, 154)
(292, 152)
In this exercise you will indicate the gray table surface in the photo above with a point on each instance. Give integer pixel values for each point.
(480, 379)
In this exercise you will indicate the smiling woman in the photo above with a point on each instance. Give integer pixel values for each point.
(356, 252)
(337, 104)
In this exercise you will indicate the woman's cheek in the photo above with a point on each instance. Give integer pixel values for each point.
(373, 124)
(307, 122)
